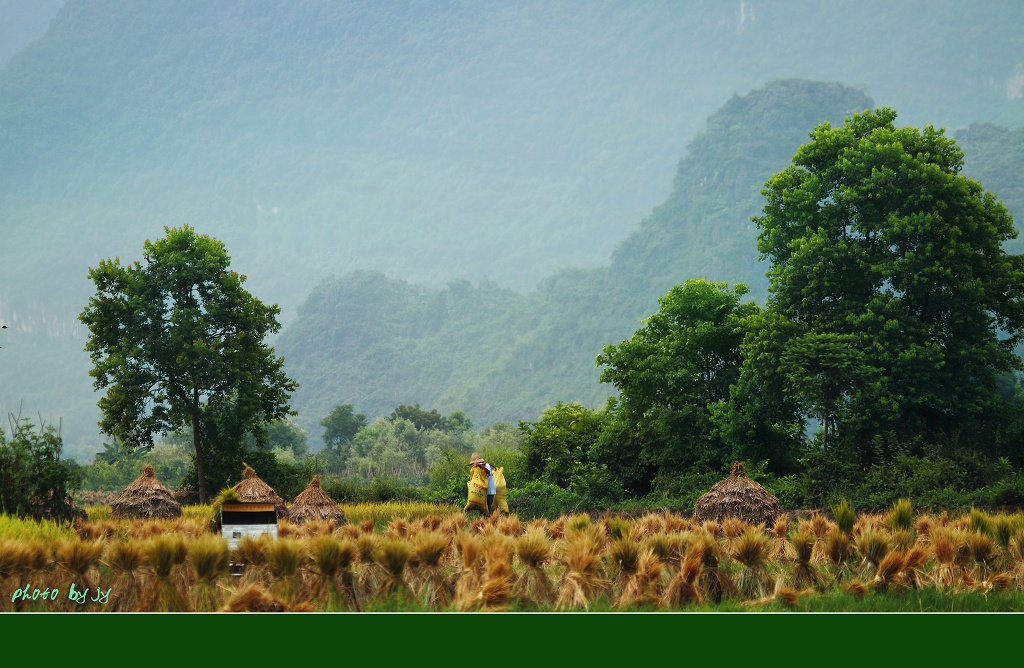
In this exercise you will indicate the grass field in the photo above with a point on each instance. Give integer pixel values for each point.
(425, 557)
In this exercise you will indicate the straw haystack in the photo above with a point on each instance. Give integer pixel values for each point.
(738, 496)
(315, 504)
(253, 490)
(146, 498)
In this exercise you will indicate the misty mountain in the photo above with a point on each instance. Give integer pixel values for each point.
(21, 22)
(377, 342)
(488, 142)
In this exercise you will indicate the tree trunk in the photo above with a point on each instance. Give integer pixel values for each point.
(200, 476)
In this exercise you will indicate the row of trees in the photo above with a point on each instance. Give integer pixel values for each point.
(414, 451)
(889, 331)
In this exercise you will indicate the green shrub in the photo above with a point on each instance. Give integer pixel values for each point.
(376, 490)
(542, 499)
(34, 480)
(789, 490)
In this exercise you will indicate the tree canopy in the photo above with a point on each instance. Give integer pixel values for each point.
(676, 369)
(890, 267)
(174, 337)
(340, 427)
(34, 480)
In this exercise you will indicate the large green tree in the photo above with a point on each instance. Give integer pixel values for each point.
(556, 448)
(340, 427)
(880, 245)
(675, 370)
(176, 333)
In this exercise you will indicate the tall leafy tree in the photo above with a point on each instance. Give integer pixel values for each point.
(556, 448)
(824, 371)
(340, 427)
(763, 420)
(676, 369)
(875, 236)
(176, 333)
(420, 418)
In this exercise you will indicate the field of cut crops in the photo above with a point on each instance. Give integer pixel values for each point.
(419, 557)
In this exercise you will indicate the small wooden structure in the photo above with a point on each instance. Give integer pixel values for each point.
(253, 510)
(241, 519)
(251, 489)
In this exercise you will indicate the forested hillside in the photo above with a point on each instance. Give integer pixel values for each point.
(486, 142)
(499, 355)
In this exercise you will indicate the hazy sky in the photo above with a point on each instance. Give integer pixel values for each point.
(22, 21)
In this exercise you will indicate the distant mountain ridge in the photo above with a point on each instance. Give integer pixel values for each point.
(378, 342)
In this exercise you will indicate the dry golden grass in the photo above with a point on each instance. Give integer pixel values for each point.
(676, 523)
(643, 586)
(254, 598)
(805, 574)
(164, 555)
(393, 554)
(582, 580)
(780, 530)
(914, 566)
(872, 544)
(733, 527)
(837, 550)
(451, 562)
(334, 585)
(534, 551)
(751, 549)
(433, 589)
(887, 574)
(820, 526)
(126, 561)
(650, 525)
(284, 557)
(713, 581)
(684, 588)
(467, 588)
(209, 557)
(509, 525)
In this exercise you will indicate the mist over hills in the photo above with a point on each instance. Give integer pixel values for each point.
(491, 144)
(499, 355)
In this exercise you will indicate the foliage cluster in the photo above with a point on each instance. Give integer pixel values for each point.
(177, 341)
(34, 480)
(882, 366)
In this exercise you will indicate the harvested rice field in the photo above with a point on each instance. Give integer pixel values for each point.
(421, 557)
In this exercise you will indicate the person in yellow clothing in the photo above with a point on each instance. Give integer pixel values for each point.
(478, 461)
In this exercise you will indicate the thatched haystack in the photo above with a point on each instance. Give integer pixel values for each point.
(738, 496)
(315, 504)
(253, 490)
(146, 498)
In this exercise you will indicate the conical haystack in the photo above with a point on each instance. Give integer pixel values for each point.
(146, 498)
(738, 496)
(253, 490)
(315, 504)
